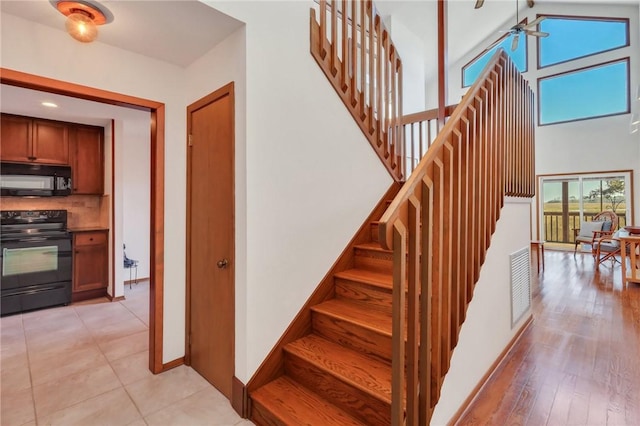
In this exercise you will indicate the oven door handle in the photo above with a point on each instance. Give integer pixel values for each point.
(33, 239)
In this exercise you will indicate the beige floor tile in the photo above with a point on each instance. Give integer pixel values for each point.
(48, 366)
(15, 373)
(59, 341)
(111, 408)
(11, 322)
(139, 422)
(70, 390)
(157, 392)
(118, 330)
(47, 317)
(128, 345)
(206, 407)
(12, 343)
(17, 407)
(132, 368)
(104, 314)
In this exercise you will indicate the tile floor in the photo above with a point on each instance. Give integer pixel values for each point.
(86, 364)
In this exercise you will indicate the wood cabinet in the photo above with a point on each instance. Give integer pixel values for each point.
(90, 264)
(32, 140)
(87, 159)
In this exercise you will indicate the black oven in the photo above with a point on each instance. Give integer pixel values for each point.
(36, 258)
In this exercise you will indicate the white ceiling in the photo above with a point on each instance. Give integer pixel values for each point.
(175, 31)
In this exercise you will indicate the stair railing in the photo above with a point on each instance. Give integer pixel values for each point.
(353, 48)
(440, 224)
(420, 130)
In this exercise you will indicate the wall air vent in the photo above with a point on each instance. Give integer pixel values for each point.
(520, 284)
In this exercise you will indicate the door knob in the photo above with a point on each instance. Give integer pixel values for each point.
(222, 263)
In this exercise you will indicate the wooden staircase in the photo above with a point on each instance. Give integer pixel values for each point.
(339, 373)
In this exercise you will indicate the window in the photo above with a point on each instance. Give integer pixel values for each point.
(597, 91)
(472, 70)
(572, 37)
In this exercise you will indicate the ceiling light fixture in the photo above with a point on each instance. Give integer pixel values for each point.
(49, 104)
(83, 18)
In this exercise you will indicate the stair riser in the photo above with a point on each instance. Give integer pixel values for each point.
(352, 335)
(263, 417)
(373, 296)
(373, 260)
(360, 405)
(375, 235)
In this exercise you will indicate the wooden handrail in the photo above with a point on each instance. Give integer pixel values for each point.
(352, 46)
(440, 224)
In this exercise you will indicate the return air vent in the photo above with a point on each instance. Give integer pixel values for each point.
(520, 284)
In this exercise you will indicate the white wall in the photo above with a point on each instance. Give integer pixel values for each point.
(312, 178)
(596, 145)
(136, 181)
(487, 327)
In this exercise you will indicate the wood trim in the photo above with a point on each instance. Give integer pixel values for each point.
(494, 367)
(172, 364)
(273, 365)
(239, 398)
(89, 294)
(112, 219)
(157, 109)
(115, 299)
(625, 59)
(582, 18)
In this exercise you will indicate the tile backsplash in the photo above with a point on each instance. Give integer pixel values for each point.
(83, 210)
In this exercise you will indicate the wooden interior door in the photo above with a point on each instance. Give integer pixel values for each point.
(210, 238)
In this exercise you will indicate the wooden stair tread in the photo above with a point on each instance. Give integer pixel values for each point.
(293, 403)
(357, 314)
(367, 277)
(363, 372)
(373, 245)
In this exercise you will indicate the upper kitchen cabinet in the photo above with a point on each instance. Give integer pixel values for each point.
(33, 140)
(87, 159)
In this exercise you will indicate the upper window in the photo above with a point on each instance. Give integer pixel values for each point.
(472, 70)
(572, 37)
(596, 91)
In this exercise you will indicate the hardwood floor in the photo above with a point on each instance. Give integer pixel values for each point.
(579, 361)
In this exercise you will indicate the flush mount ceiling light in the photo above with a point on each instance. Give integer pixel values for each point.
(83, 18)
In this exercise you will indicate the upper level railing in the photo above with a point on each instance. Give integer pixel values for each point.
(440, 224)
(420, 130)
(352, 46)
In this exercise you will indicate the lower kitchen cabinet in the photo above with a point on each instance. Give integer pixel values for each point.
(90, 264)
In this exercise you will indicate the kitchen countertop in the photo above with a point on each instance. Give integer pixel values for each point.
(87, 228)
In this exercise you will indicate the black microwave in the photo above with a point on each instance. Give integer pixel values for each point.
(34, 180)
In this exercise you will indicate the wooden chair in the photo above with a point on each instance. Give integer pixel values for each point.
(591, 231)
(631, 250)
(607, 248)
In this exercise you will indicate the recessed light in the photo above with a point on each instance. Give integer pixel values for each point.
(49, 105)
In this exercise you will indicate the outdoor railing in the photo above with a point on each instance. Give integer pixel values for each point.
(558, 226)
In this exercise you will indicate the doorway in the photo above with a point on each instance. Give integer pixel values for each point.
(211, 239)
(157, 111)
(568, 200)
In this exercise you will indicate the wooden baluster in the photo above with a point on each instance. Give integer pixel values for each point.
(393, 119)
(428, 348)
(397, 337)
(354, 53)
(386, 93)
(413, 310)
(403, 156)
(334, 37)
(372, 74)
(323, 28)
(412, 160)
(379, 86)
(344, 77)
(363, 61)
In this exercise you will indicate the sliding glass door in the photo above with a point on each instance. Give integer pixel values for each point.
(565, 201)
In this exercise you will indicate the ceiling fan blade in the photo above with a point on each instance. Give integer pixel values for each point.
(536, 33)
(530, 3)
(514, 43)
(535, 22)
(479, 4)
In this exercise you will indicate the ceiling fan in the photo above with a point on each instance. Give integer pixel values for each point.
(520, 28)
